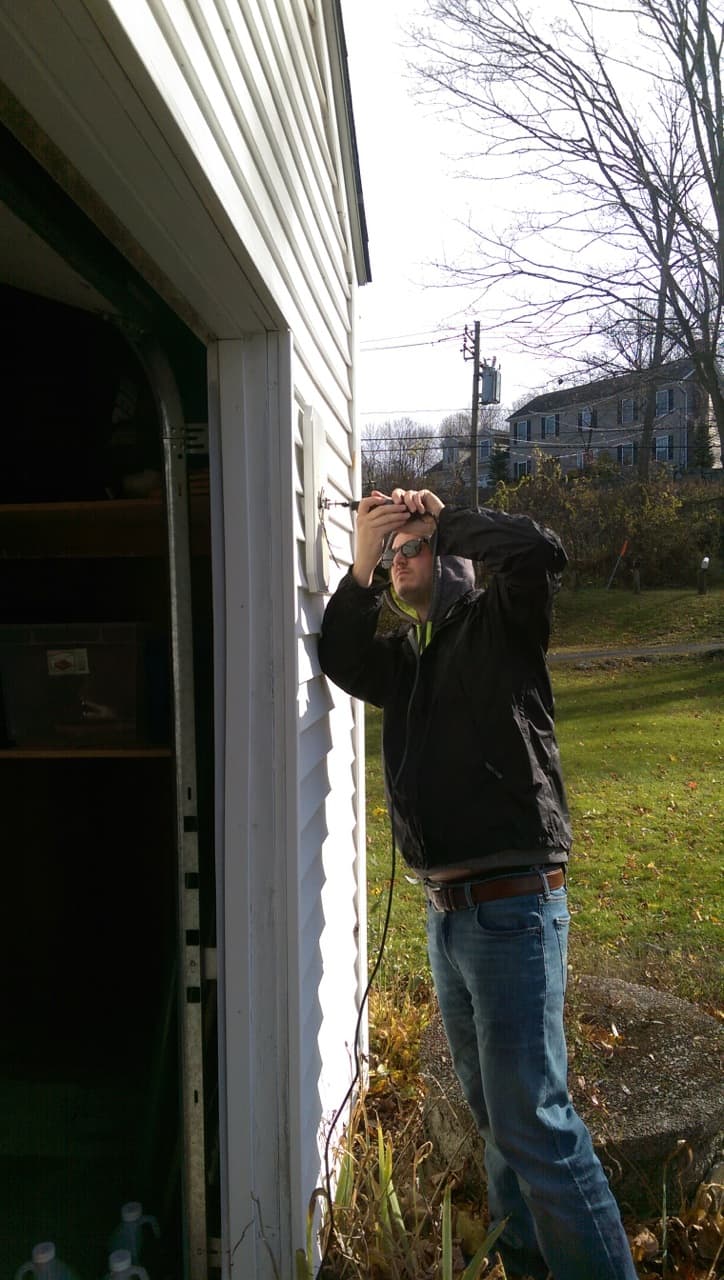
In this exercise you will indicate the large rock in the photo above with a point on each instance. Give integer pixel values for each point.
(655, 1105)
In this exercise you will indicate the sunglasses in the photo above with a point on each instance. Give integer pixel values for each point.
(408, 549)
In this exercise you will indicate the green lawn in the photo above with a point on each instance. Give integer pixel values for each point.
(642, 748)
(596, 618)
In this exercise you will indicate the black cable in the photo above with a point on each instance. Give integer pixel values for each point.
(331, 1230)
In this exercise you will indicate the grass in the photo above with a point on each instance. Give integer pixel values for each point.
(642, 748)
(599, 618)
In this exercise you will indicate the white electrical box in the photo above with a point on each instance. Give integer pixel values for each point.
(491, 383)
(314, 445)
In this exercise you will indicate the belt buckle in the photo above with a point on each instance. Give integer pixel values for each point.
(435, 895)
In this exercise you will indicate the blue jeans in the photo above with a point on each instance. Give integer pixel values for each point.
(500, 973)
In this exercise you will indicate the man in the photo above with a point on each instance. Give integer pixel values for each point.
(478, 810)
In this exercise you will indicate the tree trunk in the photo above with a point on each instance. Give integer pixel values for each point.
(717, 404)
(647, 433)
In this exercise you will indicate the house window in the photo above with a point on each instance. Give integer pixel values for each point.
(587, 418)
(521, 469)
(627, 454)
(521, 429)
(664, 401)
(628, 410)
(664, 448)
(483, 450)
(449, 455)
(549, 425)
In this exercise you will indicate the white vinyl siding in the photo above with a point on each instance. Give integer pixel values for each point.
(246, 81)
(205, 134)
(239, 90)
(248, 87)
(331, 921)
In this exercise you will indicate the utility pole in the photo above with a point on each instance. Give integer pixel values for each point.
(475, 409)
(490, 377)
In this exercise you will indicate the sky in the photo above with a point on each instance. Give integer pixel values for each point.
(411, 317)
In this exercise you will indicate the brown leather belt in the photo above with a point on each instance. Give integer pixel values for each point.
(458, 897)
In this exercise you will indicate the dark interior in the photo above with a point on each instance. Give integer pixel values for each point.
(89, 1051)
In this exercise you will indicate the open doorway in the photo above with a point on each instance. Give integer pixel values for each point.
(90, 1074)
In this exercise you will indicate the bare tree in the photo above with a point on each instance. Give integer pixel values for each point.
(455, 438)
(641, 343)
(491, 418)
(629, 143)
(399, 451)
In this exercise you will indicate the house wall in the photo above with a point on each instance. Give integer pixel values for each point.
(452, 474)
(203, 137)
(611, 437)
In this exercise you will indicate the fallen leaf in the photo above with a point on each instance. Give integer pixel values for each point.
(644, 1245)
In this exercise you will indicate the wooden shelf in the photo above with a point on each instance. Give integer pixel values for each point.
(114, 527)
(86, 753)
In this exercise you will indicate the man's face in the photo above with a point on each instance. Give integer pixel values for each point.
(412, 576)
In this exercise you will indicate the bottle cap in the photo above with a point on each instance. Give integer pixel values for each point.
(132, 1211)
(119, 1261)
(44, 1252)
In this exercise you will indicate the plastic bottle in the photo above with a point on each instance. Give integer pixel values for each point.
(120, 1266)
(132, 1232)
(44, 1265)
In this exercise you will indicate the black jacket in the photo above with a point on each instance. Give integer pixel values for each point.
(472, 769)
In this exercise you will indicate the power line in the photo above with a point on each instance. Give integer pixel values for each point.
(527, 448)
(408, 346)
(608, 436)
(446, 438)
(416, 333)
(381, 442)
(377, 413)
(453, 330)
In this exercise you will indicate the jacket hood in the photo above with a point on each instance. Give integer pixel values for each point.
(452, 578)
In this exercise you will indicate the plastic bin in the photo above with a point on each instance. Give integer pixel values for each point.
(73, 685)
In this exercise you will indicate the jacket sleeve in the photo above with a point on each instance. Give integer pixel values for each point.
(349, 652)
(513, 545)
(524, 558)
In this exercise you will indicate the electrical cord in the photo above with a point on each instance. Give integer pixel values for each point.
(331, 1229)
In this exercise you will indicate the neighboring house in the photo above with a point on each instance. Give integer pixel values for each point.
(179, 181)
(602, 420)
(452, 473)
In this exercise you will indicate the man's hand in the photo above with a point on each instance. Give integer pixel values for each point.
(377, 518)
(419, 502)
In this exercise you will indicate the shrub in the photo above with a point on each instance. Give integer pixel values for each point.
(666, 524)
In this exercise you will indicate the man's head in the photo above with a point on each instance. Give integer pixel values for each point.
(411, 568)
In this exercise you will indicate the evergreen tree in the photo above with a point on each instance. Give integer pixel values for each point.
(499, 468)
(702, 454)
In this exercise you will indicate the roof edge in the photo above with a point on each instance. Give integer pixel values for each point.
(603, 388)
(348, 139)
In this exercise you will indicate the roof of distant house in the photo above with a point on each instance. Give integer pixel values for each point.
(604, 388)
